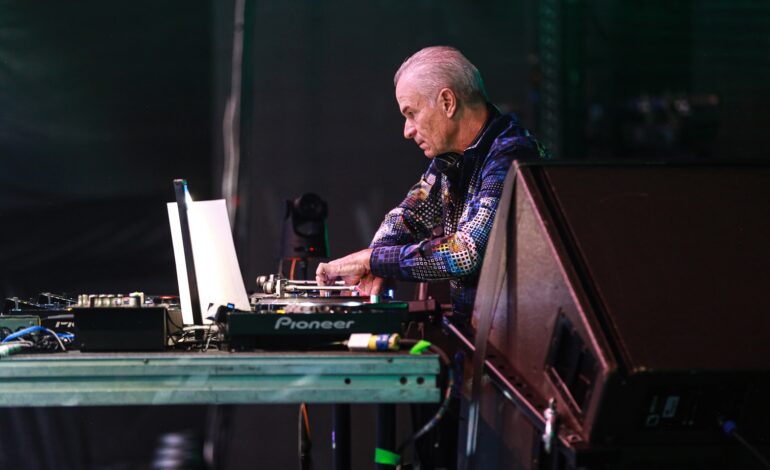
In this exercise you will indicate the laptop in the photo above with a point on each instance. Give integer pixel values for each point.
(207, 266)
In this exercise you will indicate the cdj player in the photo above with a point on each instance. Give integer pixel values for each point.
(291, 314)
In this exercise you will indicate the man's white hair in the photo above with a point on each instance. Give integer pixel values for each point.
(437, 67)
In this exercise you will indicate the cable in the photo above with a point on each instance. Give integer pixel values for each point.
(20, 333)
(409, 330)
(305, 443)
(444, 404)
(436, 418)
(186, 338)
(171, 322)
(199, 327)
(305, 418)
(57, 338)
(12, 348)
(179, 330)
(729, 428)
(211, 334)
(33, 329)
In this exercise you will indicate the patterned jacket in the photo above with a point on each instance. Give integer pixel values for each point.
(441, 229)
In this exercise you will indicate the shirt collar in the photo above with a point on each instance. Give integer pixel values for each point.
(486, 134)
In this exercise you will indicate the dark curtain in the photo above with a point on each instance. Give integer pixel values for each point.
(101, 106)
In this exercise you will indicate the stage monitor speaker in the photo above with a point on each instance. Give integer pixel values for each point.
(636, 296)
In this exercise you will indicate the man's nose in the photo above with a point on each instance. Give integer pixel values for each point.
(408, 130)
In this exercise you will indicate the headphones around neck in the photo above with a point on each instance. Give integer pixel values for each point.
(448, 164)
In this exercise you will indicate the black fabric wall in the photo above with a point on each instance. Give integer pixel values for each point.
(676, 80)
(101, 106)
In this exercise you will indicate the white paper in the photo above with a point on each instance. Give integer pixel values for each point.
(216, 264)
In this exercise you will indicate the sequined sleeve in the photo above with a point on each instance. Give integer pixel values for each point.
(458, 254)
(415, 217)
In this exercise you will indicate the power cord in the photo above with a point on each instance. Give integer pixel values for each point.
(730, 429)
(31, 330)
(305, 444)
(433, 422)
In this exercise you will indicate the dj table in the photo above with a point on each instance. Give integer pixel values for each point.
(77, 379)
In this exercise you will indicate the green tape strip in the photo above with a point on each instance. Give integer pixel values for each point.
(386, 457)
(418, 348)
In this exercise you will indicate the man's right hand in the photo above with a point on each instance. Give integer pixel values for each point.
(353, 269)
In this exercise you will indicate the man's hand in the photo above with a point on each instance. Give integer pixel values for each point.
(370, 284)
(353, 269)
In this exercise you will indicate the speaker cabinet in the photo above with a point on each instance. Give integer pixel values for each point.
(637, 296)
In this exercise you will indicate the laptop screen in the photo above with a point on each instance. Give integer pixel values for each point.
(216, 277)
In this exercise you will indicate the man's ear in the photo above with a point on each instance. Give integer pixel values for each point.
(448, 102)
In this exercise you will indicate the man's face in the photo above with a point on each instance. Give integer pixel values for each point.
(429, 126)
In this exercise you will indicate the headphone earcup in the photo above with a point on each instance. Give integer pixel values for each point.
(448, 164)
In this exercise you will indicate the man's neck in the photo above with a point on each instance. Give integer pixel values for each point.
(472, 126)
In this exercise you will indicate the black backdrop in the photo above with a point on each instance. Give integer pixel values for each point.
(101, 106)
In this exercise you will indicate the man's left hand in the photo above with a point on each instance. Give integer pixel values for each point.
(370, 284)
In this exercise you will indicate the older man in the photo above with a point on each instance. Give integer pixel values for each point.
(441, 228)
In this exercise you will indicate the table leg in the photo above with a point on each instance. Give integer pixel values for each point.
(386, 431)
(341, 437)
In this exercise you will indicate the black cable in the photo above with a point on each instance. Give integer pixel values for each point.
(171, 335)
(170, 321)
(729, 428)
(444, 404)
(436, 418)
(190, 341)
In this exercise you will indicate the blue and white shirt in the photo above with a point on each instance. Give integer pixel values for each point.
(441, 229)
